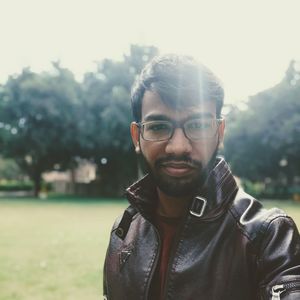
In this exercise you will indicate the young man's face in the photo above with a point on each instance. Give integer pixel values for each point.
(177, 164)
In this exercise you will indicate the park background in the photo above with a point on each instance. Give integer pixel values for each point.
(65, 149)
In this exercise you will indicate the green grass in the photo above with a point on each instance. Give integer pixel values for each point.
(54, 249)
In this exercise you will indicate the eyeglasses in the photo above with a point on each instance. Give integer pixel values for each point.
(195, 129)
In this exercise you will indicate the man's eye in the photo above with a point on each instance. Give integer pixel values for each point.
(157, 127)
(199, 125)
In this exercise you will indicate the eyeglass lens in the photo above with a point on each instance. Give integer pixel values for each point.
(194, 129)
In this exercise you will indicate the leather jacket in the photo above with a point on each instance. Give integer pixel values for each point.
(229, 247)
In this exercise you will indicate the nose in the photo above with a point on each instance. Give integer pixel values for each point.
(179, 144)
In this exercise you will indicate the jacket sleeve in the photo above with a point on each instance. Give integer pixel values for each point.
(105, 266)
(279, 261)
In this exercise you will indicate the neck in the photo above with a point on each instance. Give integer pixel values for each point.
(171, 207)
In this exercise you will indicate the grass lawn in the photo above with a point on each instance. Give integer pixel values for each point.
(51, 249)
(54, 250)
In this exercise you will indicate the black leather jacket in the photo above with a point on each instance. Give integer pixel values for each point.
(235, 250)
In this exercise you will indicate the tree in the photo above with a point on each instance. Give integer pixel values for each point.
(264, 140)
(9, 170)
(50, 119)
(108, 115)
(40, 114)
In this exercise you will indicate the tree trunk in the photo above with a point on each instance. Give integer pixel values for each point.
(73, 180)
(37, 183)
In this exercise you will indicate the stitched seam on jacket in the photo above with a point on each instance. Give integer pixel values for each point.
(176, 261)
(258, 258)
(239, 226)
(270, 220)
(262, 229)
(148, 271)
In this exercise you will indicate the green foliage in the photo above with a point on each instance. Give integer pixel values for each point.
(108, 115)
(270, 190)
(10, 170)
(254, 189)
(263, 142)
(14, 185)
(107, 100)
(48, 120)
(40, 113)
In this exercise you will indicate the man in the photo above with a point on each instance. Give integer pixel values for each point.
(190, 232)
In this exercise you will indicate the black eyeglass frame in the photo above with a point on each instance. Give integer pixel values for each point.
(174, 126)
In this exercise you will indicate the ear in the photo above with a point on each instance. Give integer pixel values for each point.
(221, 130)
(135, 134)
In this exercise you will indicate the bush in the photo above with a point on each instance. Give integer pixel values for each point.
(254, 189)
(272, 190)
(14, 185)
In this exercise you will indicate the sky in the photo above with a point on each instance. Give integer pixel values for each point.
(248, 44)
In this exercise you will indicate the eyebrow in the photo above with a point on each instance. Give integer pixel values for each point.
(157, 117)
(161, 117)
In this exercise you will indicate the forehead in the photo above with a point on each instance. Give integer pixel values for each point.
(152, 105)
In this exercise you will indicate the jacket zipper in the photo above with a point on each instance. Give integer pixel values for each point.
(172, 256)
(277, 290)
(154, 265)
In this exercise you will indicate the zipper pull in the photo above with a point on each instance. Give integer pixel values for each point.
(277, 290)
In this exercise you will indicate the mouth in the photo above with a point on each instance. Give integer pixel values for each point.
(177, 169)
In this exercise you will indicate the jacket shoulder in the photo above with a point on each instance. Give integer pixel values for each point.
(251, 217)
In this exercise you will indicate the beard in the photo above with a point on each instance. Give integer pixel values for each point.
(179, 186)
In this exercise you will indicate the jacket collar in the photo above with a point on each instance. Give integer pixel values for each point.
(218, 190)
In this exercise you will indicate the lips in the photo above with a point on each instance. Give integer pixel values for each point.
(177, 169)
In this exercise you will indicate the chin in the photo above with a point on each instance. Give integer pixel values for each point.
(177, 186)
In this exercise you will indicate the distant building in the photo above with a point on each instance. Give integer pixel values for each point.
(67, 182)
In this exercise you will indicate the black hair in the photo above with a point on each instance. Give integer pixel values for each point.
(179, 80)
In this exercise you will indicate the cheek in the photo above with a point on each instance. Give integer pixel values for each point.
(152, 151)
(204, 151)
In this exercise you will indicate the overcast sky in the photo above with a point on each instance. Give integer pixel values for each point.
(248, 44)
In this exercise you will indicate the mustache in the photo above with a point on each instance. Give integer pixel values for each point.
(181, 159)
